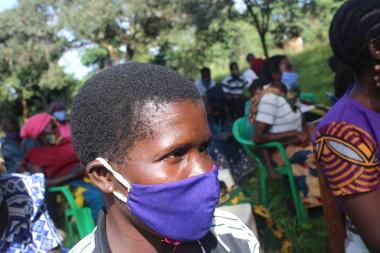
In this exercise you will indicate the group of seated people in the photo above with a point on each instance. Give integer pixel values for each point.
(270, 100)
(40, 155)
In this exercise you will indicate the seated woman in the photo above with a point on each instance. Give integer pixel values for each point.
(55, 157)
(225, 150)
(278, 119)
(57, 110)
(25, 225)
(348, 138)
(142, 132)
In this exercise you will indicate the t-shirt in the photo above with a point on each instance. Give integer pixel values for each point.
(346, 146)
(227, 234)
(274, 110)
(257, 65)
(203, 87)
(249, 75)
(233, 86)
(55, 160)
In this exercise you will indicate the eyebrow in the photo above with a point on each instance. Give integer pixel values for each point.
(179, 148)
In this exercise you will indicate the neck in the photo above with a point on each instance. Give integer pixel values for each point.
(277, 84)
(366, 92)
(125, 236)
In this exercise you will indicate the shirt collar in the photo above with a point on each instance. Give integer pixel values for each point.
(101, 241)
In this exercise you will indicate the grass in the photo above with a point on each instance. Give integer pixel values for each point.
(308, 237)
(314, 73)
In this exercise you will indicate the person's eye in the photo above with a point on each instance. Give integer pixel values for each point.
(177, 153)
(204, 147)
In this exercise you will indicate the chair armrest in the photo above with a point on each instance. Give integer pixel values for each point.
(67, 193)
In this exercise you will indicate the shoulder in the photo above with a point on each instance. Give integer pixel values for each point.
(86, 245)
(272, 99)
(198, 82)
(232, 232)
(344, 110)
(348, 157)
(226, 80)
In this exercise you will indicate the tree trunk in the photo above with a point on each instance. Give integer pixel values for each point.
(264, 44)
(24, 104)
(130, 52)
(112, 53)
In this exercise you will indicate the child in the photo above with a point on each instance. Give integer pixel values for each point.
(141, 131)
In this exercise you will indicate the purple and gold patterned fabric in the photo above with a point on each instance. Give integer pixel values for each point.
(346, 147)
(346, 154)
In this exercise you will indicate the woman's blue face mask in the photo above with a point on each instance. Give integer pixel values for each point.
(60, 116)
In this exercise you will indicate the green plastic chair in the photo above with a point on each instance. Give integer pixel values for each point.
(243, 133)
(83, 219)
(308, 96)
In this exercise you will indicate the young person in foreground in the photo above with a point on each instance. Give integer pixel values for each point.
(347, 140)
(141, 130)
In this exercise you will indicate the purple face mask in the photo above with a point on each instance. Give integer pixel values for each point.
(179, 211)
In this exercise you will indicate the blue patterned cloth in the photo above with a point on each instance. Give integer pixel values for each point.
(29, 228)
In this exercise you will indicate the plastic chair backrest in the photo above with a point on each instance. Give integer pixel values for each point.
(308, 96)
(83, 217)
(247, 107)
(243, 131)
(84, 220)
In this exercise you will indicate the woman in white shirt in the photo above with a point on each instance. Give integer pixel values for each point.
(277, 118)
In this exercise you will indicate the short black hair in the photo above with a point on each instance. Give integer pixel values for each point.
(205, 70)
(108, 112)
(249, 55)
(234, 63)
(270, 66)
(56, 106)
(354, 25)
(257, 84)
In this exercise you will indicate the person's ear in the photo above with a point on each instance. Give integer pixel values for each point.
(100, 176)
(374, 48)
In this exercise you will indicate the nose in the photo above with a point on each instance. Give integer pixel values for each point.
(201, 165)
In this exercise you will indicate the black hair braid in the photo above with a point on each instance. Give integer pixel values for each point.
(354, 25)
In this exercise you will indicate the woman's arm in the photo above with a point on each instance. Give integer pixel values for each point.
(363, 210)
(262, 135)
(351, 169)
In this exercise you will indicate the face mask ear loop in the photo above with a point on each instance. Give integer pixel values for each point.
(116, 174)
(118, 177)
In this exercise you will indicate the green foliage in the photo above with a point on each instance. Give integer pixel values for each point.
(314, 72)
(94, 56)
(186, 35)
(29, 50)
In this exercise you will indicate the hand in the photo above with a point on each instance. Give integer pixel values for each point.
(303, 138)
